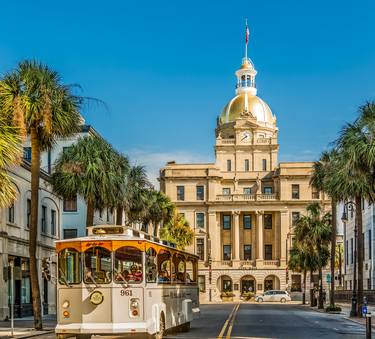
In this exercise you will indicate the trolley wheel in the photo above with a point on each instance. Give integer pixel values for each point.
(161, 332)
(185, 327)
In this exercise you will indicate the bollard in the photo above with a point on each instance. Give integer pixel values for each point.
(368, 325)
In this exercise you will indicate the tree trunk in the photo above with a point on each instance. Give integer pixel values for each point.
(340, 268)
(304, 288)
(321, 303)
(119, 215)
(358, 220)
(33, 231)
(90, 213)
(312, 296)
(333, 253)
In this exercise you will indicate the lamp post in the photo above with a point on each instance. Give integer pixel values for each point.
(350, 206)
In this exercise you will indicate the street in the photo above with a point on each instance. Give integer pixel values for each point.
(238, 321)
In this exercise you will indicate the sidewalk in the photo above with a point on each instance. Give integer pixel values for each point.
(23, 327)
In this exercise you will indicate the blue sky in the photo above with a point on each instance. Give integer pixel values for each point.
(165, 69)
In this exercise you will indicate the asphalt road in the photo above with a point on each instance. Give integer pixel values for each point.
(266, 321)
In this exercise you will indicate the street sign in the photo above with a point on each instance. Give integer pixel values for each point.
(364, 309)
(328, 278)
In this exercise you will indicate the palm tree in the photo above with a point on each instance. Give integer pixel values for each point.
(339, 260)
(177, 231)
(46, 110)
(89, 168)
(160, 210)
(323, 171)
(298, 263)
(314, 230)
(10, 154)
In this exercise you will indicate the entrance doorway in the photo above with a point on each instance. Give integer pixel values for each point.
(248, 284)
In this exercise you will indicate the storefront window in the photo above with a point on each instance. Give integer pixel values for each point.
(69, 266)
(25, 291)
(98, 266)
(128, 265)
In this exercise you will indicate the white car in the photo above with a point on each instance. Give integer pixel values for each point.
(274, 295)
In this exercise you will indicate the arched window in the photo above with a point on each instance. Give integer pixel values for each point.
(179, 265)
(191, 270)
(128, 265)
(151, 269)
(164, 266)
(98, 266)
(69, 266)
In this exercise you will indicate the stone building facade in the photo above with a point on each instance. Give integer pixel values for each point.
(243, 206)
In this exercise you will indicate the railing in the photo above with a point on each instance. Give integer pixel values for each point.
(226, 262)
(264, 140)
(271, 262)
(246, 197)
(227, 141)
(247, 263)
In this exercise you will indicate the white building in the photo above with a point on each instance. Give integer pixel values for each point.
(368, 217)
(14, 243)
(73, 222)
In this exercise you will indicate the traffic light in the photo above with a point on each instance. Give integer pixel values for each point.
(46, 273)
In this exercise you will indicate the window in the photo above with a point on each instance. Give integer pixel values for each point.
(200, 248)
(49, 162)
(202, 283)
(227, 222)
(226, 191)
(200, 220)
(247, 165)
(151, 269)
(227, 285)
(247, 190)
(227, 252)
(247, 252)
(264, 164)
(53, 222)
(369, 245)
(181, 193)
(247, 221)
(200, 192)
(128, 265)
(182, 215)
(346, 253)
(315, 193)
(28, 213)
(296, 283)
(268, 252)
(44, 219)
(295, 191)
(295, 218)
(267, 221)
(11, 214)
(351, 250)
(268, 190)
(27, 153)
(66, 149)
(229, 165)
(69, 266)
(98, 265)
(70, 233)
(70, 205)
(108, 214)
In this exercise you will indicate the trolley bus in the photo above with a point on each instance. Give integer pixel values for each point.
(118, 281)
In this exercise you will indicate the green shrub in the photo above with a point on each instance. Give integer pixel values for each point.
(247, 295)
(227, 294)
(332, 308)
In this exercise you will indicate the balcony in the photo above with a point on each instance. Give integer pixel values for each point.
(247, 197)
(271, 262)
(247, 263)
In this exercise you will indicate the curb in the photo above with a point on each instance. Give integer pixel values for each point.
(28, 335)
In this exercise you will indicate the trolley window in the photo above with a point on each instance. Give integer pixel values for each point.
(151, 269)
(191, 271)
(69, 267)
(164, 267)
(98, 266)
(179, 265)
(128, 265)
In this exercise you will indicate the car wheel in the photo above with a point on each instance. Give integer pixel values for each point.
(159, 334)
(260, 300)
(283, 300)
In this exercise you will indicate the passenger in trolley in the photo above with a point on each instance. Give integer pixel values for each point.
(121, 281)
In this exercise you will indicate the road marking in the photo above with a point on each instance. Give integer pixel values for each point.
(235, 308)
(232, 322)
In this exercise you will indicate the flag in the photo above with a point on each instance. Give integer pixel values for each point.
(247, 34)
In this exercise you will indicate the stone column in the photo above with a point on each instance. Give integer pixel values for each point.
(260, 247)
(284, 229)
(215, 236)
(236, 236)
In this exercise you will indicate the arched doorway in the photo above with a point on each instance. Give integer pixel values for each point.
(224, 283)
(271, 282)
(248, 284)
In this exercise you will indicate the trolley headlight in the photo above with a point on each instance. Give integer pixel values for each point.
(66, 314)
(134, 307)
(66, 304)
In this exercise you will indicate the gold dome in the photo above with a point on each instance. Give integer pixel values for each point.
(255, 106)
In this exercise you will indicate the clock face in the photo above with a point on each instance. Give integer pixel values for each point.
(246, 136)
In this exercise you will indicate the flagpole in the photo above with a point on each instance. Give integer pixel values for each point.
(246, 42)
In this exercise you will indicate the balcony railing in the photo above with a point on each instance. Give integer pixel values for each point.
(247, 263)
(271, 262)
(226, 262)
(247, 197)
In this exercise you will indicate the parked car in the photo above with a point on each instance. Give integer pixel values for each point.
(274, 295)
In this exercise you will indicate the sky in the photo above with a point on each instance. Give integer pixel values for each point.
(165, 69)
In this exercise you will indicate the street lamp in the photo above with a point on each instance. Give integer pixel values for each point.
(350, 206)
